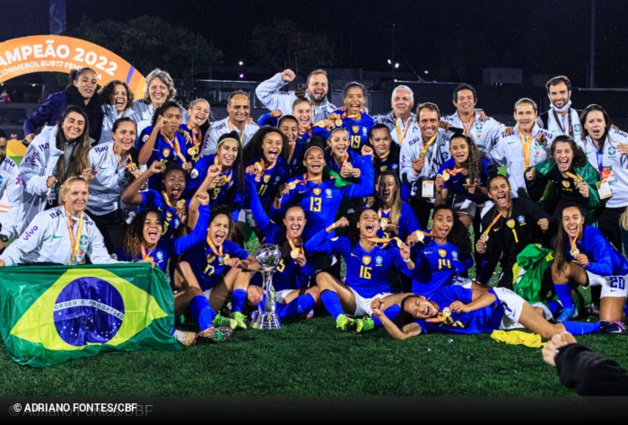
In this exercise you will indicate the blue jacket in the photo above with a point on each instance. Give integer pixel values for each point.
(48, 113)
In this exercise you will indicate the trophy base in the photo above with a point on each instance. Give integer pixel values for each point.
(265, 320)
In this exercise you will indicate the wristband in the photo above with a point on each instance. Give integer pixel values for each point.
(407, 261)
(333, 225)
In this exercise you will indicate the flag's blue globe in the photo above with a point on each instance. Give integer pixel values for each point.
(88, 310)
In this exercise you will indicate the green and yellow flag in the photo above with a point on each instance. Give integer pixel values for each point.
(51, 314)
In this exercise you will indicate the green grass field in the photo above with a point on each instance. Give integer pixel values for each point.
(311, 364)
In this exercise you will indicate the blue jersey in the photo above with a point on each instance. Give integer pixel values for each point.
(164, 151)
(358, 130)
(225, 194)
(457, 181)
(169, 247)
(485, 319)
(270, 180)
(604, 258)
(154, 199)
(208, 267)
(367, 271)
(321, 201)
(408, 222)
(193, 148)
(266, 119)
(436, 266)
(355, 159)
(289, 275)
(295, 163)
(391, 162)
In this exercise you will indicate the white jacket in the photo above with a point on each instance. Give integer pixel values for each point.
(11, 183)
(509, 151)
(46, 239)
(221, 127)
(435, 157)
(39, 162)
(268, 92)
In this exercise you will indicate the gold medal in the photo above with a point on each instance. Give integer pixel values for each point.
(292, 184)
(422, 155)
(338, 122)
(181, 203)
(193, 151)
(574, 251)
(484, 237)
(348, 166)
(510, 223)
(420, 236)
(132, 167)
(445, 175)
(294, 253)
(226, 258)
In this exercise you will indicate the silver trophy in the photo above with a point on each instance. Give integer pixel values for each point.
(268, 256)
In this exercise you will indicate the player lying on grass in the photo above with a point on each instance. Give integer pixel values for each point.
(456, 309)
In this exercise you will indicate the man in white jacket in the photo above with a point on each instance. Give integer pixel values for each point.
(316, 89)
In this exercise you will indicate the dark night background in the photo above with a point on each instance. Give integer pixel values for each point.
(452, 39)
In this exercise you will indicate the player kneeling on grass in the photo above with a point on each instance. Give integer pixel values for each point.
(368, 259)
(456, 309)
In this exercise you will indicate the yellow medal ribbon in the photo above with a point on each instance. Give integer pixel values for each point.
(174, 144)
(400, 136)
(74, 241)
(295, 251)
(427, 145)
(526, 144)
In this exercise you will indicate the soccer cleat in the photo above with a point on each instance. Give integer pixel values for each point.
(344, 322)
(184, 337)
(364, 324)
(239, 318)
(568, 314)
(212, 335)
(222, 321)
(613, 327)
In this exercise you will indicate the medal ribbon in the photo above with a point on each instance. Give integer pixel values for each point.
(576, 178)
(407, 126)
(526, 143)
(384, 241)
(231, 129)
(212, 246)
(293, 246)
(488, 229)
(467, 127)
(74, 241)
(428, 144)
(228, 175)
(146, 254)
(174, 144)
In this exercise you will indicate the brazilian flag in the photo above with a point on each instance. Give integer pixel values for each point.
(51, 314)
